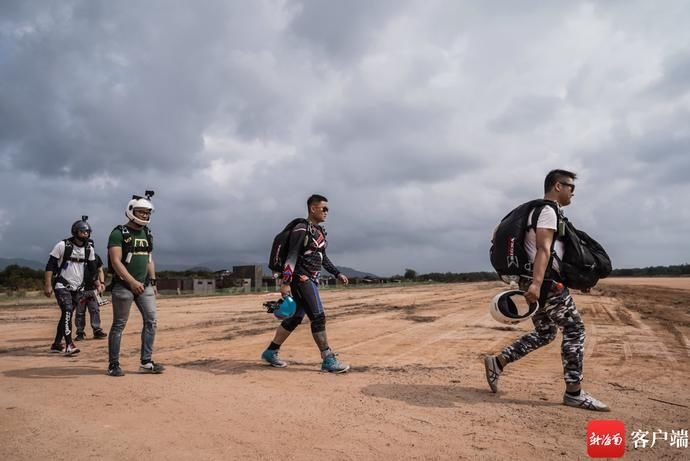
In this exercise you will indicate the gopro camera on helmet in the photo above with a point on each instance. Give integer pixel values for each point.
(81, 226)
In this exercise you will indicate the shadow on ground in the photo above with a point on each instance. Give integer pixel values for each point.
(443, 396)
(236, 367)
(66, 372)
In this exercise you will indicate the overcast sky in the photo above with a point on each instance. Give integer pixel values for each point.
(423, 122)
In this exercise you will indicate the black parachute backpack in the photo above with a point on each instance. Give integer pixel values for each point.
(89, 266)
(508, 256)
(584, 260)
(281, 244)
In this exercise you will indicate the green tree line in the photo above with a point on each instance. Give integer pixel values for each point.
(669, 271)
(193, 273)
(447, 277)
(15, 277)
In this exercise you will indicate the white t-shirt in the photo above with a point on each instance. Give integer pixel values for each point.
(74, 272)
(547, 220)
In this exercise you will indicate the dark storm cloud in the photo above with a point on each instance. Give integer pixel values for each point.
(422, 122)
(110, 85)
(98, 99)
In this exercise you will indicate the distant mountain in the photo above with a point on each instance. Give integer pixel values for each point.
(35, 265)
(354, 273)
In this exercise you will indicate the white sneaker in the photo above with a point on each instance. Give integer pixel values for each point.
(585, 401)
(151, 367)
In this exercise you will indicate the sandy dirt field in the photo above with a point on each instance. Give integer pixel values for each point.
(416, 389)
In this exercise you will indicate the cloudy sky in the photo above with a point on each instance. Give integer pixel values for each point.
(423, 122)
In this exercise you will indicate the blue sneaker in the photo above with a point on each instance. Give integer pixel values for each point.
(272, 358)
(333, 365)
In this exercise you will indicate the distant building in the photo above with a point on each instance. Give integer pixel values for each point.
(369, 280)
(222, 274)
(271, 284)
(175, 284)
(204, 286)
(255, 273)
(188, 285)
(328, 281)
(224, 279)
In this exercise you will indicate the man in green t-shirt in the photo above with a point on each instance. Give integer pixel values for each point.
(130, 248)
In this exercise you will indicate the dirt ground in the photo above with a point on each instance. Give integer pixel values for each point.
(416, 389)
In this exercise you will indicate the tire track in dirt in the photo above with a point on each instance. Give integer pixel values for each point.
(445, 317)
(417, 393)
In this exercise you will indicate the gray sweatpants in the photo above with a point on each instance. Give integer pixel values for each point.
(122, 302)
(90, 302)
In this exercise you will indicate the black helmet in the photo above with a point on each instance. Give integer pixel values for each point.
(82, 226)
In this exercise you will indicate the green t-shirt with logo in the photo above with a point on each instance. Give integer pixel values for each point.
(138, 265)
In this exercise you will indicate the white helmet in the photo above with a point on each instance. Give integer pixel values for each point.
(140, 202)
(505, 310)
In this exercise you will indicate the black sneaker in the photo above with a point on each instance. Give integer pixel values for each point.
(57, 348)
(99, 334)
(151, 367)
(80, 337)
(115, 370)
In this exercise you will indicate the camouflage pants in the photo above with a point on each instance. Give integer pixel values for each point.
(558, 311)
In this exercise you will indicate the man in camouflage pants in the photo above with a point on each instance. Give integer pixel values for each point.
(557, 309)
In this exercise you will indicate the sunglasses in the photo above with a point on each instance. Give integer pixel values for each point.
(572, 186)
(324, 209)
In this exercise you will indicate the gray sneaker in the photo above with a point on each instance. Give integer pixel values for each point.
(585, 401)
(492, 372)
